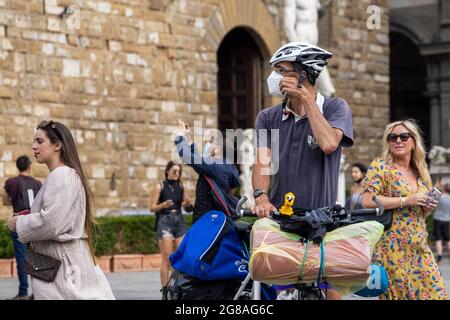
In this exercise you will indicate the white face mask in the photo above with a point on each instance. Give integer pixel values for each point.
(273, 82)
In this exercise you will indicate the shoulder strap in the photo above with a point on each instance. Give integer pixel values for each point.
(224, 205)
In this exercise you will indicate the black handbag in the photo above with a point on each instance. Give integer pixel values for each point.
(41, 266)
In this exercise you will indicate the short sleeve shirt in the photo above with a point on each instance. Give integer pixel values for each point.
(12, 188)
(298, 163)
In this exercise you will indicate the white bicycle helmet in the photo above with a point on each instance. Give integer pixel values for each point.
(300, 53)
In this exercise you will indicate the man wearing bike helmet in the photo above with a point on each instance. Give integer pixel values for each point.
(302, 137)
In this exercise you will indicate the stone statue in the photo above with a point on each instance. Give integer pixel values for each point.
(341, 182)
(246, 151)
(439, 155)
(300, 24)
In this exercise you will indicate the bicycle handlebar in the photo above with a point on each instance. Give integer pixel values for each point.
(336, 212)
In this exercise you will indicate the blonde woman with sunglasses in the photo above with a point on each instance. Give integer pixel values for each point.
(401, 180)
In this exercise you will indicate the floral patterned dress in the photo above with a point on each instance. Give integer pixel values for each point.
(403, 249)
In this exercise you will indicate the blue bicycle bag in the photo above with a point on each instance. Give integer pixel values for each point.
(377, 284)
(212, 250)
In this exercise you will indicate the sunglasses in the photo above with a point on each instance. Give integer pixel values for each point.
(52, 125)
(282, 71)
(392, 137)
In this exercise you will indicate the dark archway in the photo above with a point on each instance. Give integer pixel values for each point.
(239, 80)
(408, 76)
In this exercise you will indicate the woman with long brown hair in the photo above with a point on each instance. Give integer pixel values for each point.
(401, 181)
(60, 223)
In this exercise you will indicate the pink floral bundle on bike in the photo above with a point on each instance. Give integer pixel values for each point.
(280, 258)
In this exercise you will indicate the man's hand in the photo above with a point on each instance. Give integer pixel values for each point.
(263, 207)
(299, 97)
(303, 101)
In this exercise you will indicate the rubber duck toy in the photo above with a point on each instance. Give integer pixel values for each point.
(286, 209)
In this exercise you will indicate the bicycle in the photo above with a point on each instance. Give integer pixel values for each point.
(339, 215)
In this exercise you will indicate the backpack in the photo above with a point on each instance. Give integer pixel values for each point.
(212, 250)
(27, 189)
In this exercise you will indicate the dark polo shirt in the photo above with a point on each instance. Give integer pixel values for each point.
(298, 163)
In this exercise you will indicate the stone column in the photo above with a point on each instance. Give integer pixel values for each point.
(445, 20)
(445, 72)
(435, 108)
(341, 182)
(445, 111)
(445, 99)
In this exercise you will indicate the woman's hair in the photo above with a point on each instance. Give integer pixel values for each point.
(360, 166)
(169, 166)
(59, 133)
(418, 155)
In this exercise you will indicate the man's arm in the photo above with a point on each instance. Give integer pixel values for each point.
(327, 137)
(6, 199)
(261, 180)
(260, 174)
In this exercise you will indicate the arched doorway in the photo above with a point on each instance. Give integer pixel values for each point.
(408, 75)
(239, 80)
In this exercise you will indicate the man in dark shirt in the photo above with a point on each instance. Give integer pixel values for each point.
(20, 193)
(299, 141)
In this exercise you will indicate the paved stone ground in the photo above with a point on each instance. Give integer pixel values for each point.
(145, 285)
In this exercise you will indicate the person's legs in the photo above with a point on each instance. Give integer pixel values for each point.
(438, 235)
(166, 249)
(438, 244)
(177, 242)
(447, 236)
(20, 251)
(179, 230)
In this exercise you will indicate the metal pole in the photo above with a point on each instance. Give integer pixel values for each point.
(242, 287)
(256, 290)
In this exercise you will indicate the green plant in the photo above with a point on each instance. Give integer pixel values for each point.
(127, 235)
(6, 244)
(113, 235)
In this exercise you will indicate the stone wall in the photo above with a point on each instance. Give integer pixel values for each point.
(133, 67)
(360, 70)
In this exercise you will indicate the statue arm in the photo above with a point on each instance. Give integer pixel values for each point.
(322, 8)
(290, 13)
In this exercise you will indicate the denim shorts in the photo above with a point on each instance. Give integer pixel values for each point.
(171, 225)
